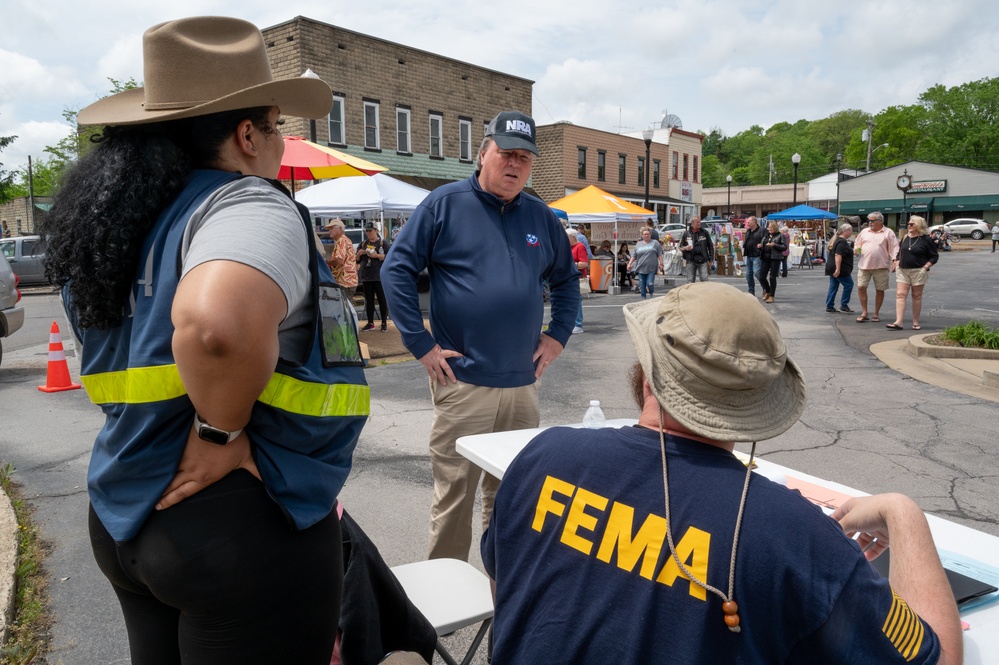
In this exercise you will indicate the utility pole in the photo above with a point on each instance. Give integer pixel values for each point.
(31, 197)
(870, 137)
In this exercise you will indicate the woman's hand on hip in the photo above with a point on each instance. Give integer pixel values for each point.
(204, 463)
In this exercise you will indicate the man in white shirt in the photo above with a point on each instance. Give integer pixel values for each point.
(877, 246)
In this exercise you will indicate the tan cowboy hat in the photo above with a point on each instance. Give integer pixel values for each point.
(716, 362)
(206, 64)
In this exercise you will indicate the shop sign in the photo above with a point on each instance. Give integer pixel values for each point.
(686, 191)
(927, 187)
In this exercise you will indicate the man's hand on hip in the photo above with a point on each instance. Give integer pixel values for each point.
(546, 353)
(435, 360)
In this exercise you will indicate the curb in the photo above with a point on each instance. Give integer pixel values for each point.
(952, 374)
(9, 545)
(920, 349)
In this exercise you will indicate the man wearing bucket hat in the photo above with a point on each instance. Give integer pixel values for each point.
(654, 543)
(342, 260)
(488, 247)
(193, 282)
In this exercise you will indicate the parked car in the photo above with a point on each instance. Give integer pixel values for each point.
(26, 258)
(675, 230)
(11, 314)
(966, 226)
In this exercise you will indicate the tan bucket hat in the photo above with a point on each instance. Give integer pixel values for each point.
(716, 361)
(206, 64)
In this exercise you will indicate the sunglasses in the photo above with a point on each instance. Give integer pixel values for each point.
(910, 224)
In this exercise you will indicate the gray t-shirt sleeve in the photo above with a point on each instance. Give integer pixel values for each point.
(250, 222)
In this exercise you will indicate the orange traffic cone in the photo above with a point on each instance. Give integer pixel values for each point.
(58, 376)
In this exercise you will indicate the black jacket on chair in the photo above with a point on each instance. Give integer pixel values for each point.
(376, 617)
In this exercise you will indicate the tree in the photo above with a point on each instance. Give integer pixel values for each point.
(832, 135)
(47, 172)
(6, 179)
(962, 124)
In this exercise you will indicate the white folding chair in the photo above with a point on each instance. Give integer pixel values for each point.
(451, 594)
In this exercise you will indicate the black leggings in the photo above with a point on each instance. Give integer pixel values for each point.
(223, 578)
(768, 275)
(371, 291)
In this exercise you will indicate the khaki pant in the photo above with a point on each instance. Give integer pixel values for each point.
(462, 409)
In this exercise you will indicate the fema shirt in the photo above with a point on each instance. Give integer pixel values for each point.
(584, 575)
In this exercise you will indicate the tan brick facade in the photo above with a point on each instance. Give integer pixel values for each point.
(16, 218)
(556, 171)
(362, 68)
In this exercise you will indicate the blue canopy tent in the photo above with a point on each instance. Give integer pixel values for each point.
(807, 213)
(802, 212)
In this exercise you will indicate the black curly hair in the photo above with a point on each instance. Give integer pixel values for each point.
(111, 199)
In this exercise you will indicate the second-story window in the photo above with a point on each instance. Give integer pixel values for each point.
(402, 131)
(655, 173)
(676, 165)
(464, 140)
(338, 134)
(436, 135)
(622, 163)
(601, 165)
(641, 170)
(695, 168)
(581, 163)
(686, 173)
(372, 139)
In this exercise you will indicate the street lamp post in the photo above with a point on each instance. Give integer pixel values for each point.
(647, 135)
(839, 158)
(728, 179)
(309, 74)
(795, 159)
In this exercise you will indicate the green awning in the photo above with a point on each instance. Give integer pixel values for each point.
(924, 204)
(865, 207)
(967, 203)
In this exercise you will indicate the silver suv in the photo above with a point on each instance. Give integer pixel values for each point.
(11, 314)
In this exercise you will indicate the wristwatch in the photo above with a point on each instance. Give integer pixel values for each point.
(214, 435)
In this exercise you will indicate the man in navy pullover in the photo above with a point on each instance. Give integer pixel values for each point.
(488, 248)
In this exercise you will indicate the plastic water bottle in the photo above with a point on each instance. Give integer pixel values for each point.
(594, 418)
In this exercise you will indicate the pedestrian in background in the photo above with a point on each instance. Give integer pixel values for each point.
(488, 247)
(342, 261)
(646, 262)
(995, 236)
(187, 275)
(370, 256)
(771, 252)
(839, 267)
(581, 262)
(787, 250)
(877, 246)
(752, 241)
(698, 251)
(581, 231)
(917, 253)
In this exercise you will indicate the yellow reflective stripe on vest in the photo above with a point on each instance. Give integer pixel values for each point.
(141, 385)
(316, 399)
(137, 385)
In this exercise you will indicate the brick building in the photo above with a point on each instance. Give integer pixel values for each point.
(419, 114)
(573, 157)
(17, 218)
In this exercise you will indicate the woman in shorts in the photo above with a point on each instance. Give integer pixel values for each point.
(917, 253)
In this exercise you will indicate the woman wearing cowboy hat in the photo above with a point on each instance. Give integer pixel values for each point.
(192, 281)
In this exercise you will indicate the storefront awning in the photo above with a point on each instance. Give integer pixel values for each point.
(921, 205)
(865, 207)
(967, 203)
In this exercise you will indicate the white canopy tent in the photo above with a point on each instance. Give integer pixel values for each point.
(372, 197)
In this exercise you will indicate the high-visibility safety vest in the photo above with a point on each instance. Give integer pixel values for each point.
(303, 427)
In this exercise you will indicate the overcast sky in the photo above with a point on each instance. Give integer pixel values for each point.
(615, 66)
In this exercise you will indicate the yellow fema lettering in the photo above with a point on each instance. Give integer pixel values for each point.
(693, 549)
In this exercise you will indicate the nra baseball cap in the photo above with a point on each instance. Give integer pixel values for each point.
(512, 130)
